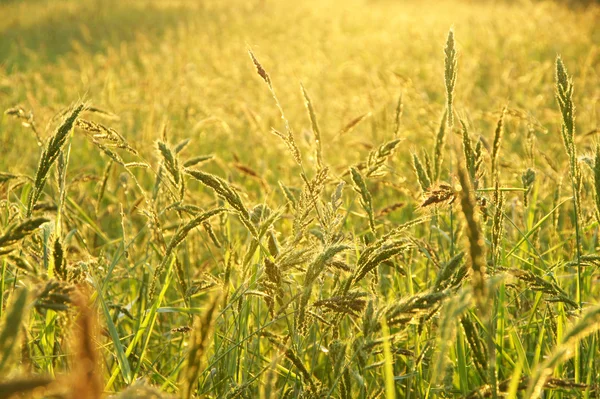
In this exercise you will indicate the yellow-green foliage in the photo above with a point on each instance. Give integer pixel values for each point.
(392, 199)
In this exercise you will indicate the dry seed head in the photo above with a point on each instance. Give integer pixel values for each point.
(182, 145)
(366, 201)
(377, 253)
(314, 125)
(497, 224)
(353, 123)
(446, 277)
(378, 157)
(197, 160)
(170, 161)
(261, 71)
(290, 142)
(564, 95)
(50, 154)
(399, 109)
(288, 138)
(496, 145)
(475, 344)
(450, 67)
(438, 151)
(211, 233)
(443, 194)
(422, 176)
(18, 232)
(527, 178)
(351, 303)
(226, 192)
(406, 309)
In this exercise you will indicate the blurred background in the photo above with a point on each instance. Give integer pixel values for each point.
(184, 63)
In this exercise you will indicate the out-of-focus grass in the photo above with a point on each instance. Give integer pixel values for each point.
(177, 69)
(185, 63)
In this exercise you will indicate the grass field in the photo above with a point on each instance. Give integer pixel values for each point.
(310, 199)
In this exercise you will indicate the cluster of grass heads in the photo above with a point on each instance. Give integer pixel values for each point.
(420, 221)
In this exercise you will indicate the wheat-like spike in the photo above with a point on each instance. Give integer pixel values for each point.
(497, 141)
(476, 242)
(288, 194)
(169, 160)
(366, 201)
(98, 132)
(275, 279)
(353, 123)
(527, 178)
(443, 194)
(318, 265)
(438, 151)
(314, 125)
(314, 270)
(398, 115)
(5, 177)
(181, 280)
(564, 95)
(259, 69)
(378, 157)
(177, 239)
(451, 273)
(537, 283)
(428, 167)
(296, 361)
(587, 324)
(377, 253)
(351, 303)
(421, 173)
(288, 139)
(50, 154)
(60, 263)
(211, 233)
(16, 233)
(476, 345)
(497, 224)
(477, 164)
(450, 69)
(179, 147)
(337, 350)
(406, 309)
(315, 186)
(227, 192)
(468, 150)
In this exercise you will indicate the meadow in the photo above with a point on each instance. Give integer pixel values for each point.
(316, 199)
